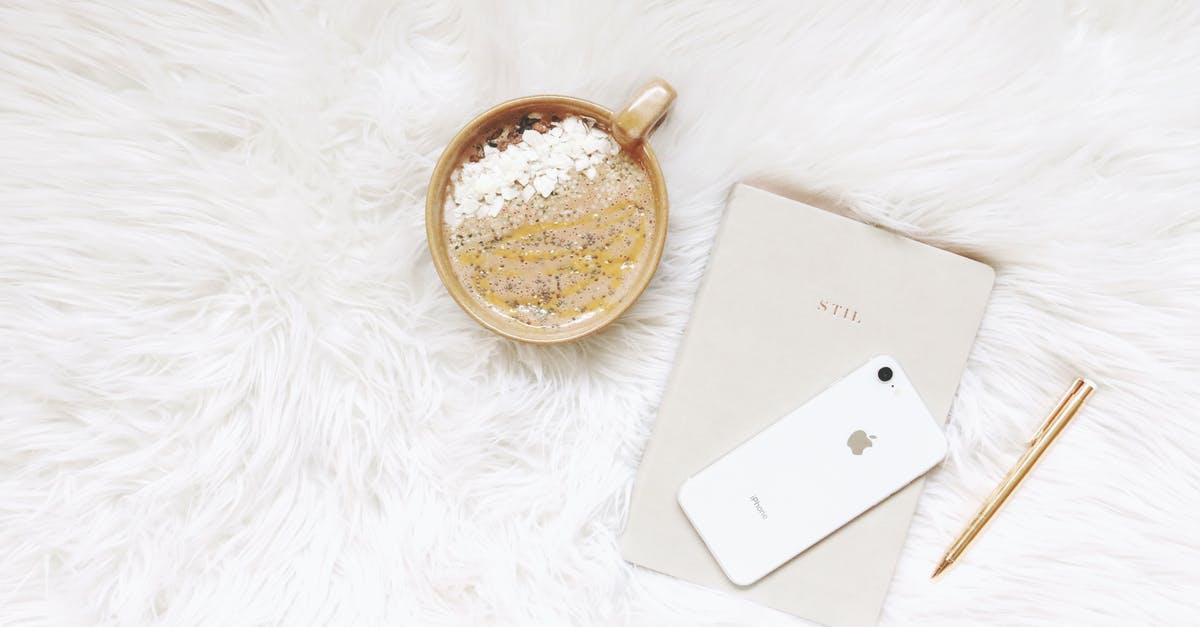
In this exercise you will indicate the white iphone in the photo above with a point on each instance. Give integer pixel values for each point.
(816, 469)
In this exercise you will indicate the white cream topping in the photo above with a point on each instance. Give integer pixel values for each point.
(534, 165)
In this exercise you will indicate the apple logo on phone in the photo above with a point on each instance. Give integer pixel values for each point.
(859, 441)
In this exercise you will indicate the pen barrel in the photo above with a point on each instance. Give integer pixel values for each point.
(1062, 414)
(991, 505)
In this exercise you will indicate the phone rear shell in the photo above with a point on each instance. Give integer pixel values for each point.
(799, 480)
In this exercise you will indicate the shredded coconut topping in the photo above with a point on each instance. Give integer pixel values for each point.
(534, 165)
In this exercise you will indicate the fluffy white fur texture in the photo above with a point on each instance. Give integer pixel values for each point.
(233, 390)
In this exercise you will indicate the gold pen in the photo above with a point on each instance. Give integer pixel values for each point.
(1045, 435)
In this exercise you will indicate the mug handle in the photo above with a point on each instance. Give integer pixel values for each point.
(633, 123)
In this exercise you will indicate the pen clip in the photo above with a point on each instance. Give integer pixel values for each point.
(1058, 409)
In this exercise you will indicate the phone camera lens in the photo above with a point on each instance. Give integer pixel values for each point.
(884, 374)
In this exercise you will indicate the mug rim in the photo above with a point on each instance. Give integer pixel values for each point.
(495, 321)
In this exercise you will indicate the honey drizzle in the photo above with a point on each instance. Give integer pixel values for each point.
(590, 263)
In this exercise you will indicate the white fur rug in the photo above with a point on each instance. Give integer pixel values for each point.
(234, 392)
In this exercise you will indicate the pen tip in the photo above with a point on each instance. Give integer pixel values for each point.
(941, 568)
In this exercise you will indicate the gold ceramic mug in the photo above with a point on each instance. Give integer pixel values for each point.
(630, 127)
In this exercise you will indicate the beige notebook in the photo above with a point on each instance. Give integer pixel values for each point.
(795, 297)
